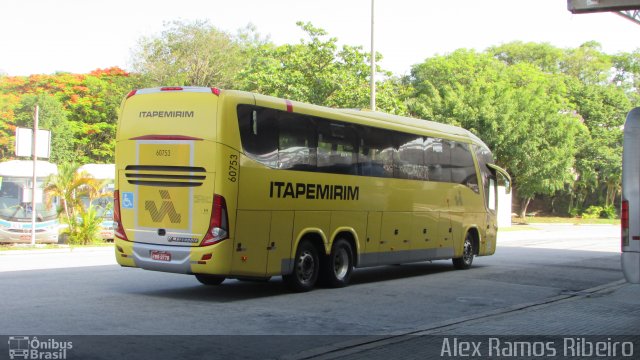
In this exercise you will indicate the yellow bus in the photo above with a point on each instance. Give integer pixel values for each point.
(229, 184)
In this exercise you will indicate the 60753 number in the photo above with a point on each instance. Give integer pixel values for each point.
(233, 168)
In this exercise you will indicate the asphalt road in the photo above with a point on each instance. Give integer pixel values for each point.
(104, 299)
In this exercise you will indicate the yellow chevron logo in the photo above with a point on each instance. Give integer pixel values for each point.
(167, 208)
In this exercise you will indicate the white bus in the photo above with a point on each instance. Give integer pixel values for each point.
(16, 179)
(103, 204)
(630, 214)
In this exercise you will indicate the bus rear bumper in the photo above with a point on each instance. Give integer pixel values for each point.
(175, 259)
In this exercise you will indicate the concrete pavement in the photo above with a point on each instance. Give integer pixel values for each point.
(610, 311)
(39, 259)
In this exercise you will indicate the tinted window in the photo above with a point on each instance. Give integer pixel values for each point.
(409, 161)
(296, 142)
(463, 170)
(337, 148)
(259, 133)
(285, 140)
(376, 153)
(438, 159)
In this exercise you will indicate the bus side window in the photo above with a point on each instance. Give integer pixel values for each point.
(409, 163)
(379, 158)
(337, 148)
(259, 134)
(296, 142)
(463, 169)
(438, 159)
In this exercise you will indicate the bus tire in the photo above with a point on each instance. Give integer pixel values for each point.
(212, 280)
(464, 262)
(337, 268)
(306, 266)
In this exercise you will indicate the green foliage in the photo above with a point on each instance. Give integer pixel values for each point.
(599, 212)
(83, 230)
(80, 110)
(52, 117)
(609, 212)
(518, 110)
(592, 212)
(189, 53)
(320, 72)
(70, 187)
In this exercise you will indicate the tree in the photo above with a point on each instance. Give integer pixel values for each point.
(80, 109)
(318, 71)
(52, 117)
(603, 109)
(588, 63)
(518, 110)
(70, 186)
(189, 53)
(545, 57)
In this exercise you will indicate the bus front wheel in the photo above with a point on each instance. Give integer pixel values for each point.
(210, 279)
(338, 266)
(464, 262)
(306, 266)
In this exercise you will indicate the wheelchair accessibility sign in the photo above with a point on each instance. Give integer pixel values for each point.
(127, 200)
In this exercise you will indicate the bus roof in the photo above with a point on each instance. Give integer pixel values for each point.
(99, 171)
(24, 168)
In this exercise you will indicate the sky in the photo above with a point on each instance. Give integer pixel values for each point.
(48, 36)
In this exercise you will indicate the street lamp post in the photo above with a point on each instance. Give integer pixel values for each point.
(373, 62)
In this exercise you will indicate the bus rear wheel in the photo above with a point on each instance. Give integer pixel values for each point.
(464, 262)
(337, 268)
(207, 279)
(305, 268)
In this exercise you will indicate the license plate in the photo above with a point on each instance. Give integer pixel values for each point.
(160, 255)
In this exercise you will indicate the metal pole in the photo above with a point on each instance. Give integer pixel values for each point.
(373, 63)
(33, 185)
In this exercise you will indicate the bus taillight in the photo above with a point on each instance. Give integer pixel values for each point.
(118, 229)
(624, 223)
(219, 223)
